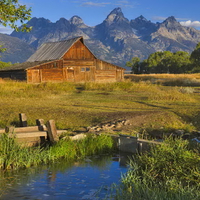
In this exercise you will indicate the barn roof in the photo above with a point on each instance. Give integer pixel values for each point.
(22, 66)
(53, 50)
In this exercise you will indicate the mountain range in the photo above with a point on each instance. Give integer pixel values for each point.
(115, 40)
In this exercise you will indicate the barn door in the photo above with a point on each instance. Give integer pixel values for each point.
(70, 74)
(35, 73)
(119, 75)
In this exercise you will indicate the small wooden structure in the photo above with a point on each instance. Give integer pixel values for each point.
(68, 60)
(33, 135)
(128, 143)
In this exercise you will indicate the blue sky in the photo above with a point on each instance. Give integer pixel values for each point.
(94, 12)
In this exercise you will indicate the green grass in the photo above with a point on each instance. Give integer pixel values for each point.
(151, 108)
(14, 156)
(80, 105)
(169, 171)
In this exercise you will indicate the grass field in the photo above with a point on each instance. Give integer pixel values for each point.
(149, 107)
(154, 106)
(167, 79)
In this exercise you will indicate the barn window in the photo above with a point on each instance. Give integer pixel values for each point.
(87, 69)
(82, 69)
(55, 65)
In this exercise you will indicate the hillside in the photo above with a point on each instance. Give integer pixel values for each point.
(17, 50)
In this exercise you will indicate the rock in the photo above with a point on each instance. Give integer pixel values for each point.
(119, 125)
(179, 132)
(186, 136)
(78, 137)
(82, 129)
(112, 126)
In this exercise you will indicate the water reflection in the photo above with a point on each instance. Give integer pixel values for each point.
(64, 180)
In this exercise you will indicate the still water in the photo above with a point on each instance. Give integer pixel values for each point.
(87, 179)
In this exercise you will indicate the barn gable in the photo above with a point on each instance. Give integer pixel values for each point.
(53, 50)
(78, 51)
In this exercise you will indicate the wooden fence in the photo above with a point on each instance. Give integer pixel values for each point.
(33, 135)
(41, 133)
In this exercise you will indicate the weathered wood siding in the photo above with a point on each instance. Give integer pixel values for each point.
(105, 75)
(79, 73)
(106, 72)
(119, 75)
(78, 52)
(78, 64)
(51, 71)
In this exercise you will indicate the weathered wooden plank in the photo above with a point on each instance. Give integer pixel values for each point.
(29, 142)
(31, 134)
(27, 129)
(128, 144)
(78, 51)
(78, 63)
(23, 120)
(39, 122)
(51, 131)
(9, 129)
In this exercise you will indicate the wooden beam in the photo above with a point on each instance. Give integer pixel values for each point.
(9, 129)
(23, 120)
(51, 131)
(39, 122)
(23, 129)
(31, 134)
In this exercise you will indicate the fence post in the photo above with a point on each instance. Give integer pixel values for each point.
(39, 122)
(51, 131)
(23, 120)
(9, 129)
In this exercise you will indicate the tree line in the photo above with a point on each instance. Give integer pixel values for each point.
(167, 62)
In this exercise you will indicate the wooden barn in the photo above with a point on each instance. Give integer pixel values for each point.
(68, 60)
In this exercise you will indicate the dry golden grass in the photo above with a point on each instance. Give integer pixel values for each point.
(167, 79)
(81, 105)
(168, 76)
(1, 80)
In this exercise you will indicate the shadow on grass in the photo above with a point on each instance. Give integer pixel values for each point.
(15, 123)
(193, 120)
(152, 105)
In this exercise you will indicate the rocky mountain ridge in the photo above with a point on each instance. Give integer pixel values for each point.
(116, 39)
(16, 50)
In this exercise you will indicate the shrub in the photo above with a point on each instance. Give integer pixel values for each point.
(169, 171)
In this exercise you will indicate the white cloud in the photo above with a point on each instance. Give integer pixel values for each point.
(158, 18)
(189, 23)
(125, 3)
(89, 3)
(120, 3)
(5, 30)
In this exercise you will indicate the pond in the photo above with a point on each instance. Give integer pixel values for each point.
(87, 179)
